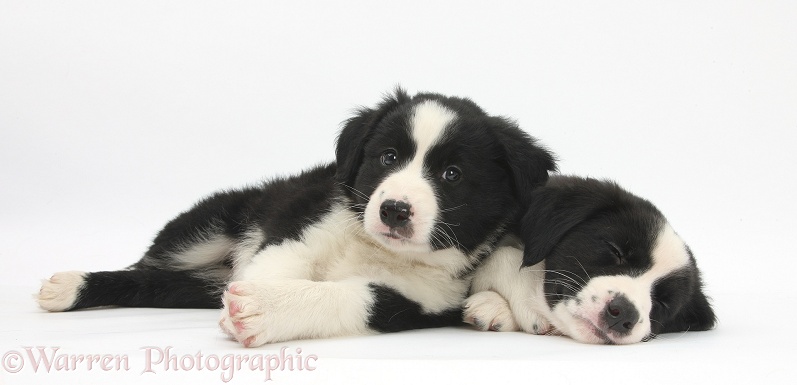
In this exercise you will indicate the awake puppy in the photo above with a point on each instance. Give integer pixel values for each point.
(384, 240)
(599, 265)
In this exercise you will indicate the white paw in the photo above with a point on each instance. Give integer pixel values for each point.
(257, 313)
(244, 314)
(60, 292)
(532, 322)
(487, 310)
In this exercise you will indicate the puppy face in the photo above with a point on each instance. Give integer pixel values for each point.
(402, 186)
(433, 172)
(615, 270)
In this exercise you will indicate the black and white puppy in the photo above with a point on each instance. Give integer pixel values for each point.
(382, 241)
(599, 265)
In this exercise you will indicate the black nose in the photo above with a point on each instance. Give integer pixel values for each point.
(395, 213)
(621, 315)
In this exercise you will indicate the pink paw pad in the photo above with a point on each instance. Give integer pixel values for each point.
(234, 289)
(235, 308)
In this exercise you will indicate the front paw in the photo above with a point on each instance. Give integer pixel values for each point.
(245, 316)
(487, 310)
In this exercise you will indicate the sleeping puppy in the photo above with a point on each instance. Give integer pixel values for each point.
(599, 265)
(382, 241)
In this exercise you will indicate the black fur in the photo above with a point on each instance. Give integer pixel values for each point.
(393, 312)
(585, 228)
(284, 206)
(147, 288)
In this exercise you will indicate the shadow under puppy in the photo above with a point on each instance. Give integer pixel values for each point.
(600, 265)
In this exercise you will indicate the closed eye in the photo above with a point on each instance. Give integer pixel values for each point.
(660, 310)
(616, 250)
(657, 299)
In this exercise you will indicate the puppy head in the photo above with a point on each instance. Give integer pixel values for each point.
(431, 172)
(615, 271)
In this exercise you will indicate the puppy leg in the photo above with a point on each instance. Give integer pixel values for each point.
(261, 312)
(60, 292)
(130, 288)
(280, 296)
(487, 310)
(520, 289)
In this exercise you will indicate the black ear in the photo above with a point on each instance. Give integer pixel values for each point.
(355, 133)
(554, 211)
(528, 161)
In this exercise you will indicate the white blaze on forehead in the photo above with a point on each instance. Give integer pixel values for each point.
(669, 254)
(409, 184)
(429, 121)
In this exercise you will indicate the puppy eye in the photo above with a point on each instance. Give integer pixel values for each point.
(616, 250)
(658, 301)
(389, 157)
(452, 174)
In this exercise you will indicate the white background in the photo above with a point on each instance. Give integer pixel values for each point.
(115, 116)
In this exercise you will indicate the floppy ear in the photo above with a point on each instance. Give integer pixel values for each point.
(553, 212)
(355, 133)
(528, 161)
